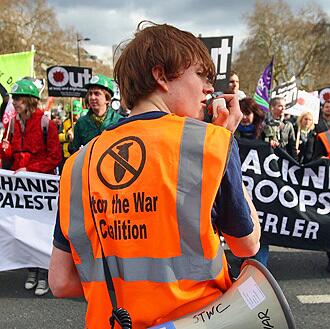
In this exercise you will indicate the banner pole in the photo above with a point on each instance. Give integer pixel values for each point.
(8, 128)
(32, 62)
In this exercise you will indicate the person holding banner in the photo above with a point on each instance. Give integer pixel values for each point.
(139, 197)
(100, 116)
(29, 147)
(322, 144)
(278, 131)
(250, 127)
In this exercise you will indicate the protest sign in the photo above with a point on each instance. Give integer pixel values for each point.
(68, 81)
(15, 66)
(324, 94)
(9, 112)
(288, 90)
(221, 49)
(28, 205)
(306, 102)
(292, 201)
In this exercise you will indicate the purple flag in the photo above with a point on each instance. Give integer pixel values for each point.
(261, 95)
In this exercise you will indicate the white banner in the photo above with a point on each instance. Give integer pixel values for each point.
(306, 102)
(28, 206)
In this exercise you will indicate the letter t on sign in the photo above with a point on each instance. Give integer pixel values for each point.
(224, 51)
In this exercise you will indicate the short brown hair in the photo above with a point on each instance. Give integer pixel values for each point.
(232, 72)
(275, 100)
(158, 45)
(325, 102)
(106, 93)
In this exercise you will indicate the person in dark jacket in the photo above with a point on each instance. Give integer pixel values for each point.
(322, 126)
(324, 120)
(278, 131)
(320, 150)
(305, 137)
(100, 115)
(250, 126)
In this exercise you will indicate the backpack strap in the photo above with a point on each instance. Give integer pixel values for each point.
(44, 127)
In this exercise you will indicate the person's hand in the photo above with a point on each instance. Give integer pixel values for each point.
(228, 117)
(20, 169)
(274, 144)
(70, 135)
(5, 144)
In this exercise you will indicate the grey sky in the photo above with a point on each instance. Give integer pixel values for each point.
(108, 22)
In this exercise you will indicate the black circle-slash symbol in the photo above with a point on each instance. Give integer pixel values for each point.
(121, 162)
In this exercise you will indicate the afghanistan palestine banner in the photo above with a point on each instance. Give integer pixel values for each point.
(28, 206)
(293, 201)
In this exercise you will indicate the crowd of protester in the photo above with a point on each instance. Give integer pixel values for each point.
(33, 141)
(300, 137)
(45, 149)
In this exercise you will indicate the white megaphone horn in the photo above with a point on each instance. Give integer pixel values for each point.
(255, 300)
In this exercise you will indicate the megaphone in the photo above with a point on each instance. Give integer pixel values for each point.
(255, 300)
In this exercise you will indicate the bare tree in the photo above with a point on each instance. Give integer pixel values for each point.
(298, 41)
(24, 23)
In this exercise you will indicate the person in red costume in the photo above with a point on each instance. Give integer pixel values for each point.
(31, 143)
(26, 147)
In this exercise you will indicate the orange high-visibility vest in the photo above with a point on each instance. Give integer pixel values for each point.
(325, 139)
(150, 185)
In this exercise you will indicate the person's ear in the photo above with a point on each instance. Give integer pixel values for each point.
(160, 77)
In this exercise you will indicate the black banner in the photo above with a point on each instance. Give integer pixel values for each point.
(288, 90)
(221, 49)
(68, 81)
(293, 201)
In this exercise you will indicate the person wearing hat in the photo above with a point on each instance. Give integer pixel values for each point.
(66, 135)
(28, 147)
(100, 115)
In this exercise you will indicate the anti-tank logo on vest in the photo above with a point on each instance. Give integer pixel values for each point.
(122, 163)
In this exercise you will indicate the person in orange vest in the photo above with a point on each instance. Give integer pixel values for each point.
(324, 139)
(136, 202)
(322, 143)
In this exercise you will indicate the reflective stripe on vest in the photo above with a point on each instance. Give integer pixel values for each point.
(188, 207)
(325, 138)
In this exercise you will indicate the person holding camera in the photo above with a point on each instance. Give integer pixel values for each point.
(138, 199)
(277, 130)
